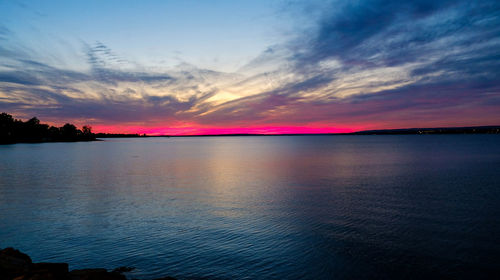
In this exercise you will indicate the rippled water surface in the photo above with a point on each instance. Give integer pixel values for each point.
(285, 207)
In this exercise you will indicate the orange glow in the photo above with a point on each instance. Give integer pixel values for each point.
(197, 130)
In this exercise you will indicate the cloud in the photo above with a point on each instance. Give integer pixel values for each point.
(425, 40)
(414, 105)
(105, 67)
(378, 32)
(104, 94)
(371, 64)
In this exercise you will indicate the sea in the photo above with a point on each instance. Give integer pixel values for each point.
(259, 207)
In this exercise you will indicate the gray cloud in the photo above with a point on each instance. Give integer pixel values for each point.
(35, 88)
(449, 49)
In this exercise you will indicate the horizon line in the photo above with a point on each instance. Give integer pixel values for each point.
(415, 130)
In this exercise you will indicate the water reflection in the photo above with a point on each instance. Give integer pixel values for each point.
(312, 207)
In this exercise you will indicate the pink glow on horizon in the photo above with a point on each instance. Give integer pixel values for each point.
(193, 130)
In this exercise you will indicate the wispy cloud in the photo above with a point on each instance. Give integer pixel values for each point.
(366, 63)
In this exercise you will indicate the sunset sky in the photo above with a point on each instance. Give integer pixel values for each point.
(204, 67)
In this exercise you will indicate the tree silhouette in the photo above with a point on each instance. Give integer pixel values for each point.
(87, 130)
(69, 131)
(32, 131)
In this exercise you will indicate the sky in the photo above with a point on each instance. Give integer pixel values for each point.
(261, 66)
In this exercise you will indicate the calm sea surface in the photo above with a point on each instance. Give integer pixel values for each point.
(287, 207)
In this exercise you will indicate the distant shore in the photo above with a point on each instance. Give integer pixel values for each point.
(435, 130)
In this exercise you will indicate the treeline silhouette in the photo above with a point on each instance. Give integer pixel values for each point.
(32, 131)
(436, 130)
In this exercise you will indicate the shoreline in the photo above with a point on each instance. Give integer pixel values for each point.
(49, 141)
(405, 131)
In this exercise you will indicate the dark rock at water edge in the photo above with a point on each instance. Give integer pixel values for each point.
(15, 265)
(95, 274)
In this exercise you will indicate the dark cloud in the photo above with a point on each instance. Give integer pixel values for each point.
(102, 60)
(416, 104)
(36, 73)
(388, 32)
(449, 51)
(454, 46)
(35, 88)
(18, 77)
(53, 103)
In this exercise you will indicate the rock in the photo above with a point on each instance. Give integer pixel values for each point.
(58, 271)
(43, 275)
(123, 269)
(45, 271)
(95, 274)
(13, 263)
(57, 267)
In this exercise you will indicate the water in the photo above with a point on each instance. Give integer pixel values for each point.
(288, 207)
